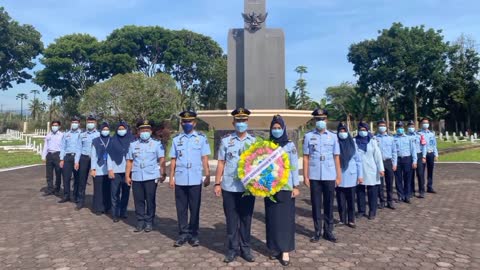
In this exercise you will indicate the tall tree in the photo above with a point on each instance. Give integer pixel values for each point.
(301, 88)
(19, 45)
(70, 66)
(21, 96)
(35, 92)
(213, 91)
(402, 62)
(461, 85)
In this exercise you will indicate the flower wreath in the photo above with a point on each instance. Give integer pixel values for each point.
(264, 169)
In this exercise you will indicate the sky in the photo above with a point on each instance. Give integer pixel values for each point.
(318, 33)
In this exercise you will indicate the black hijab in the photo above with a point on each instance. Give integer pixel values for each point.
(119, 145)
(283, 140)
(101, 144)
(347, 147)
(362, 142)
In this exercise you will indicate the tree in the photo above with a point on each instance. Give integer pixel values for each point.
(213, 90)
(133, 96)
(37, 107)
(19, 45)
(301, 88)
(461, 85)
(187, 59)
(292, 100)
(71, 66)
(402, 64)
(21, 96)
(54, 110)
(35, 93)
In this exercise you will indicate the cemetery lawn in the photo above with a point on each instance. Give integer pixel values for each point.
(466, 155)
(8, 160)
(12, 142)
(449, 144)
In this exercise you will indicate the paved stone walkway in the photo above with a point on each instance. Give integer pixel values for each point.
(441, 231)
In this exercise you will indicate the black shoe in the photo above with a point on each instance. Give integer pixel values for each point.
(229, 258)
(115, 220)
(194, 242)
(381, 205)
(352, 225)
(359, 215)
(283, 262)
(57, 193)
(339, 224)
(180, 242)
(431, 191)
(391, 206)
(78, 208)
(48, 193)
(148, 228)
(139, 228)
(64, 200)
(407, 201)
(248, 257)
(421, 196)
(315, 239)
(371, 217)
(330, 237)
(275, 256)
(124, 216)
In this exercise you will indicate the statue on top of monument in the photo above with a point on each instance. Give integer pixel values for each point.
(254, 20)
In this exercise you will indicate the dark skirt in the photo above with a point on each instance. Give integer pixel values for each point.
(280, 222)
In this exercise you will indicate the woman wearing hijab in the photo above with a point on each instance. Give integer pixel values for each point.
(117, 152)
(99, 172)
(280, 215)
(372, 163)
(351, 164)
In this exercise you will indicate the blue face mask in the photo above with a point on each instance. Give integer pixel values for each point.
(122, 132)
(363, 133)
(321, 125)
(145, 135)
(187, 127)
(343, 135)
(241, 127)
(382, 129)
(425, 126)
(105, 133)
(400, 130)
(411, 129)
(90, 126)
(55, 128)
(74, 125)
(277, 133)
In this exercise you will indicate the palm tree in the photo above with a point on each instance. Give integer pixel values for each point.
(35, 93)
(21, 96)
(54, 109)
(37, 107)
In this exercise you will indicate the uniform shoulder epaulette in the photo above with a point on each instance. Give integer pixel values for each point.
(176, 135)
(201, 134)
(226, 136)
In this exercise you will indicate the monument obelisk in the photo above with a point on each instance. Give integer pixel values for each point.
(256, 62)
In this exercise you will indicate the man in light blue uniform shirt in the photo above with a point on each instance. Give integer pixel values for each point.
(432, 152)
(51, 157)
(237, 207)
(407, 160)
(146, 164)
(389, 155)
(70, 142)
(189, 153)
(321, 172)
(82, 159)
(421, 154)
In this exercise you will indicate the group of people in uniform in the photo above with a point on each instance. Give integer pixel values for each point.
(334, 165)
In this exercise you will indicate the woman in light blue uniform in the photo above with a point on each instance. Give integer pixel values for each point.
(117, 151)
(352, 173)
(280, 215)
(372, 170)
(98, 170)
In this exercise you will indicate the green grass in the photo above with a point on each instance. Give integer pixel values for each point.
(8, 160)
(466, 155)
(13, 142)
(449, 144)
